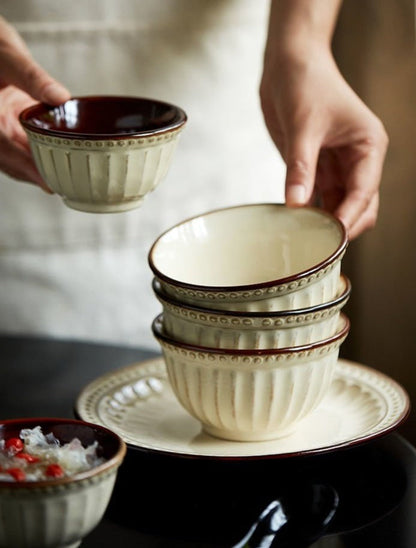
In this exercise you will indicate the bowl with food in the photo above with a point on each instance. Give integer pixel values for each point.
(56, 479)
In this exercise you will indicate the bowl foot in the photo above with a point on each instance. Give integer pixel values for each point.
(247, 436)
(103, 207)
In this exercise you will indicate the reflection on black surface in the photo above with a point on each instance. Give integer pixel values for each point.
(217, 501)
(295, 520)
(266, 528)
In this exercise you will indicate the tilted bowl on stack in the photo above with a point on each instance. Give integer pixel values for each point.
(251, 321)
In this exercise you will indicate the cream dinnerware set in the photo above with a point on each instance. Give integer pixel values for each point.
(251, 321)
(251, 296)
(250, 329)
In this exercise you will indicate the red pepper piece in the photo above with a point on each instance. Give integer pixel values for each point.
(14, 445)
(27, 457)
(54, 471)
(17, 473)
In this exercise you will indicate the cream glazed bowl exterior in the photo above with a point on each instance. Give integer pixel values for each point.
(253, 257)
(103, 154)
(59, 512)
(250, 395)
(226, 329)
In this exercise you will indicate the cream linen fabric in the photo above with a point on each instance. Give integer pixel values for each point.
(70, 274)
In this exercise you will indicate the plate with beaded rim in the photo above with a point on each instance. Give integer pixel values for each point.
(138, 404)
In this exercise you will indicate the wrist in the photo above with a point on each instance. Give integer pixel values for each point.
(299, 29)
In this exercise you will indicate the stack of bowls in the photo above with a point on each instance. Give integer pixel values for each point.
(251, 321)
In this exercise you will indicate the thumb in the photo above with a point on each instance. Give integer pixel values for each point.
(301, 162)
(18, 68)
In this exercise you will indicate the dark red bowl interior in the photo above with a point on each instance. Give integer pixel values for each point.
(103, 116)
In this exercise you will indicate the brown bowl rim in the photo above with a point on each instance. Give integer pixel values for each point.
(160, 335)
(339, 300)
(32, 111)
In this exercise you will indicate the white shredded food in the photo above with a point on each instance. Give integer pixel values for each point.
(72, 457)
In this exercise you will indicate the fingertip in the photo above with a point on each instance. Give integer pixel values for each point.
(38, 181)
(46, 189)
(347, 225)
(300, 173)
(295, 194)
(55, 94)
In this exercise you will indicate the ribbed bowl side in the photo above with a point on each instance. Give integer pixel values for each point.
(103, 175)
(54, 517)
(257, 400)
(216, 335)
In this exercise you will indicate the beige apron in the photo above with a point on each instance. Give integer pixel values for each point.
(70, 274)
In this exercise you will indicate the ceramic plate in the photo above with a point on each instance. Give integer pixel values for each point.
(138, 404)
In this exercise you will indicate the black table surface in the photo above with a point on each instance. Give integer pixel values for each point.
(178, 502)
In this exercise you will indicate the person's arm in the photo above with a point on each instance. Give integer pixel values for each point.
(333, 145)
(22, 83)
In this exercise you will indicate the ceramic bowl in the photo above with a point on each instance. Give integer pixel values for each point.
(225, 329)
(103, 153)
(58, 512)
(254, 257)
(250, 395)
